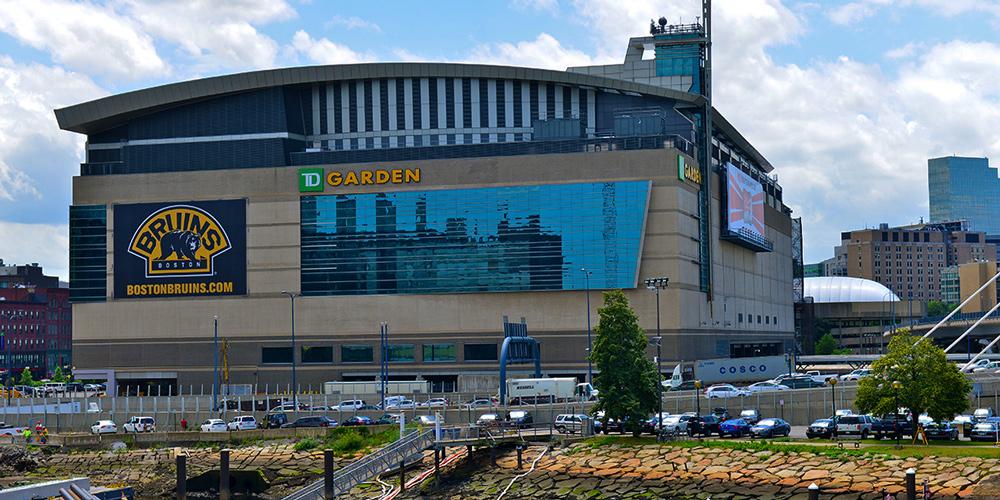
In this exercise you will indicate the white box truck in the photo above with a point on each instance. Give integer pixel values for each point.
(540, 390)
(368, 389)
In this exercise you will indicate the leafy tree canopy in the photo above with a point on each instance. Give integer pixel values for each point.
(26, 378)
(626, 377)
(827, 345)
(937, 308)
(929, 382)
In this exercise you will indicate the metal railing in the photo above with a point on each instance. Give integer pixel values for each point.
(368, 467)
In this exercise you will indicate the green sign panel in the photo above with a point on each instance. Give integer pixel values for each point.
(310, 180)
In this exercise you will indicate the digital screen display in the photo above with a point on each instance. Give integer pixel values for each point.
(745, 199)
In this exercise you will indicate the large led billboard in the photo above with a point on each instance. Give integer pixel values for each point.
(745, 202)
(180, 249)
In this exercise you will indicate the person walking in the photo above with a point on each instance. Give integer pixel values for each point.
(184, 424)
(27, 435)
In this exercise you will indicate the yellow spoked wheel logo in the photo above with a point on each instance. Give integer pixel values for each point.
(179, 240)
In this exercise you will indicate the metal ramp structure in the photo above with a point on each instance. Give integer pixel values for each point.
(368, 467)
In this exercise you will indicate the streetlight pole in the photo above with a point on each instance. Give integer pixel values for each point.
(295, 387)
(590, 364)
(655, 284)
(215, 364)
(833, 397)
(896, 386)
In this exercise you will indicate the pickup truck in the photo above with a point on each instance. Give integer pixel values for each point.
(820, 377)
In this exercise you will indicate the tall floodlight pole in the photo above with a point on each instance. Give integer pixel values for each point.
(590, 364)
(215, 364)
(295, 387)
(383, 361)
(654, 285)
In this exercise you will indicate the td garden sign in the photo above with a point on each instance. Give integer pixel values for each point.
(313, 180)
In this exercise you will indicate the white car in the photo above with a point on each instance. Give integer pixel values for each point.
(856, 375)
(140, 424)
(214, 425)
(725, 391)
(676, 423)
(104, 427)
(479, 403)
(434, 403)
(242, 423)
(350, 405)
(843, 413)
(403, 403)
(980, 363)
(766, 386)
(992, 365)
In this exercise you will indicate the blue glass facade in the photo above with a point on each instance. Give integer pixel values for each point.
(88, 253)
(681, 59)
(515, 238)
(964, 189)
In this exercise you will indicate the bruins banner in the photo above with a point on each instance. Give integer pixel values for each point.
(180, 249)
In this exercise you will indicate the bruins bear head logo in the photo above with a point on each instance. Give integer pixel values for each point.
(179, 240)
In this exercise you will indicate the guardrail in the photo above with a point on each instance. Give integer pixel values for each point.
(368, 467)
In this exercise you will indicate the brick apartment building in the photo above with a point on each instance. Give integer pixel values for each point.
(35, 321)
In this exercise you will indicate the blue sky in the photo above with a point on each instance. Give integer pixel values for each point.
(847, 99)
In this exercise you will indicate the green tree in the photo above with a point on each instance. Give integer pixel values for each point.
(58, 375)
(826, 344)
(936, 308)
(929, 382)
(626, 377)
(26, 378)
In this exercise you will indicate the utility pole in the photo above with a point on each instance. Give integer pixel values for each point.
(295, 386)
(215, 364)
(654, 285)
(590, 364)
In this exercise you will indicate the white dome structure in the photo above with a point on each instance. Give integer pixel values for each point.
(831, 289)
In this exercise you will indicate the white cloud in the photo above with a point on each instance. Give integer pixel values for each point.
(46, 244)
(84, 37)
(546, 5)
(353, 22)
(904, 52)
(542, 52)
(853, 12)
(325, 51)
(214, 34)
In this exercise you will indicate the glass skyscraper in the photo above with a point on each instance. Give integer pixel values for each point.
(964, 189)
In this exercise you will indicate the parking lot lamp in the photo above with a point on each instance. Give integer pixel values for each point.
(295, 387)
(590, 364)
(833, 397)
(896, 386)
(697, 398)
(215, 364)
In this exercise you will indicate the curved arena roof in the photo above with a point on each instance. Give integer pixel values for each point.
(105, 113)
(831, 289)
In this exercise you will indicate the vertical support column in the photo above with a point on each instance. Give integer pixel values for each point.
(813, 492)
(328, 474)
(520, 463)
(437, 467)
(911, 484)
(181, 477)
(224, 493)
(402, 476)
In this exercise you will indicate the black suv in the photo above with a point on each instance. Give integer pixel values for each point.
(705, 425)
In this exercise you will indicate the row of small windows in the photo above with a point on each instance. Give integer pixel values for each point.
(761, 320)
(365, 353)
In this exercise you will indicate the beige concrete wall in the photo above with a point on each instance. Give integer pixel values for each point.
(175, 334)
(972, 276)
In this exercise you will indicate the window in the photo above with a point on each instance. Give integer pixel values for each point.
(481, 352)
(739, 317)
(399, 352)
(515, 238)
(275, 355)
(439, 352)
(356, 354)
(88, 253)
(317, 354)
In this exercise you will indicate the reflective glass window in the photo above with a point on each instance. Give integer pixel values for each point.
(356, 354)
(317, 354)
(473, 240)
(88, 252)
(399, 352)
(481, 352)
(439, 352)
(275, 355)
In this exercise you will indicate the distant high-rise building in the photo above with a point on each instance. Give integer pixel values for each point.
(910, 260)
(950, 289)
(964, 189)
(813, 270)
(15, 276)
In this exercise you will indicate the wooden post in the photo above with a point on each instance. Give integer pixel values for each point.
(224, 493)
(519, 462)
(402, 476)
(328, 474)
(181, 477)
(437, 467)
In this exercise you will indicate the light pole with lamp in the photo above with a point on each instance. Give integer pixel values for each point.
(896, 386)
(295, 387)
(655, 284)
(697, 398)
(215, 364)
(833, 397)
(590, 364)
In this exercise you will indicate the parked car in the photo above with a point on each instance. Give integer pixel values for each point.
(387, 419)
(74, 387)
(520, 418)
(434, 403)
(276, 420)
(687, 385)
(140, 424)
(349, 405)
(771, 427)
(214, 425)
(242, 423)
(982, 414)
(721, 413)
(489, 420)
(288, 407)
(988, 367)
(985, 431)
(427, 419)
(104, 427)
(822, 428)
(571, 422)
(93, 388)
(402, 404)
(855, 425)
(801, 382)
(677, 423)
(822, 378)
(725, 391)
(736, 427)
(943, 431)
(357, 420)
(856, 375)
(766, 386)
(751, 416)
(311, 421)
(843, 413)
(889, 424)
(478, 403)
(612, 425)
(704, 425)
(649, 426)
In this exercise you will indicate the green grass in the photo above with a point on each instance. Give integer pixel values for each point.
(346, 441)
